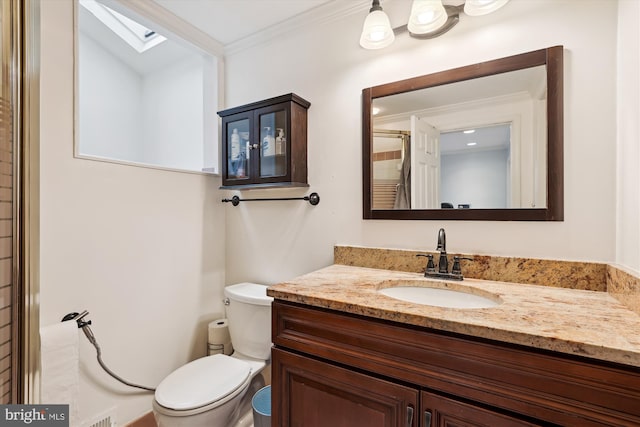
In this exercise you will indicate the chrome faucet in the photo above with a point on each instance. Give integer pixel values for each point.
(443, 261)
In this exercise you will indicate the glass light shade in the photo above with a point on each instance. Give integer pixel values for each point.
(482, 7)
(426, 16)
(376, 31)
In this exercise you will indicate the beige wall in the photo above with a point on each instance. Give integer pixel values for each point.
(325, 65)
(141, 249)
(628, 136)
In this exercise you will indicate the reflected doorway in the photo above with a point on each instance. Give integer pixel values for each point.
(476, 168)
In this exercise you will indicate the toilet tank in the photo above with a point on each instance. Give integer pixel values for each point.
(249, 314)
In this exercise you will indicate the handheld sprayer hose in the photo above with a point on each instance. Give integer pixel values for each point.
(92, 339)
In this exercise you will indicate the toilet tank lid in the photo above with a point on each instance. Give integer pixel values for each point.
(251, 293)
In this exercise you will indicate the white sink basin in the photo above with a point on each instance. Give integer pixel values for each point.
(439, 297)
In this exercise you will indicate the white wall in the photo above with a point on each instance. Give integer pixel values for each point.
(141, 249)
(477, 178)
(268, 242)
(157, 118)
(110, 100)
(628, 136)
(172, 115)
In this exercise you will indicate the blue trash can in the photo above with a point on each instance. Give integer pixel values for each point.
(261, 404)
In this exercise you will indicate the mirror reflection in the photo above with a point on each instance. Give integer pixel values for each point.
(474, 144)
(479, 142)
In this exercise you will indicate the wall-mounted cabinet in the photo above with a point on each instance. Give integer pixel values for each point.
(264, 144)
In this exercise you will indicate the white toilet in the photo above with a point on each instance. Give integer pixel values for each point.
(214, 391)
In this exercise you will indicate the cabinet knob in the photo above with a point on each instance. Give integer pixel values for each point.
(253, 146)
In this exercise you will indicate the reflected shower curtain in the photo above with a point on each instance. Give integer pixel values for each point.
(403, 194)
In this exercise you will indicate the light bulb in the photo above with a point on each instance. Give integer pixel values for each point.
(426, 16)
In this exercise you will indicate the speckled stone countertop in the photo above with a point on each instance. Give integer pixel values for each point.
(579, 322)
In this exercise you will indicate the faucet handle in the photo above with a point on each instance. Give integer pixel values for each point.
(431, 267)
(456, 269)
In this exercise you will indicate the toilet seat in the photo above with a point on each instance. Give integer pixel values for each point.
(203, 384)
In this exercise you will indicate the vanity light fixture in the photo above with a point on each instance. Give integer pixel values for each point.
(482, 7)
(426, 16)
(428, 19)
(376, 32)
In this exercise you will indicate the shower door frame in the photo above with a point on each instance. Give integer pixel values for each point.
(21, 51)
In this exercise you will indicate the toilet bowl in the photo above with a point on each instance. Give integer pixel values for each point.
(214, 390)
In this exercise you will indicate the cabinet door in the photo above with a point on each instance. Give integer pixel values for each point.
(274, 132)
(439, 411)
(237, 148)
(311, 393)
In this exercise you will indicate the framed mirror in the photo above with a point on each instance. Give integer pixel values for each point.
(480, 142)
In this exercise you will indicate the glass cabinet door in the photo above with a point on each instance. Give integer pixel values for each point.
(238, 149)
(273, 143)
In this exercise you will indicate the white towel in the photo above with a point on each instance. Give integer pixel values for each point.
(59, 359)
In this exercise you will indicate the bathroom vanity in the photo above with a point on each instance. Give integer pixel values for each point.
(346, 355)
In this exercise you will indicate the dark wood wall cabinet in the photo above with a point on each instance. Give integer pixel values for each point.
(264, 144)
(341, 370)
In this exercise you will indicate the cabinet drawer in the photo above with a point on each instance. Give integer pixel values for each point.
(542, 385)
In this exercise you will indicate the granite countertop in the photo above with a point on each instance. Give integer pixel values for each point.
(579, 322)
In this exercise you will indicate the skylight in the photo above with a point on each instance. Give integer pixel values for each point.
(133, 33)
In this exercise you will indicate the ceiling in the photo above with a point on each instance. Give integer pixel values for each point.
(226, 21)
(237, 23)
(229, 21)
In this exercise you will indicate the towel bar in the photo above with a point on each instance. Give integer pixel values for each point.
(312, 198)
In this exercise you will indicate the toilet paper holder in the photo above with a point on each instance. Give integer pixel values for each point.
(78, 318)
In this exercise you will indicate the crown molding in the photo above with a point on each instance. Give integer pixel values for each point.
(153, 15)
(323, 14)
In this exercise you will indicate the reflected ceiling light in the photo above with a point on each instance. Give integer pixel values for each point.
(428, 19)
(376, 31)
(482, 7)
(375, 111)
(469, 131)
(471, 144)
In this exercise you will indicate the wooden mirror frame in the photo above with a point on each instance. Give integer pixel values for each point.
(554, 211)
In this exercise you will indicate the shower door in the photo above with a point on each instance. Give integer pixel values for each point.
(11, 225)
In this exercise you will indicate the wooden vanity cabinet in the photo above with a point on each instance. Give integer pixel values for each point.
(264, 144)
(325, 395)
(334, 369)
